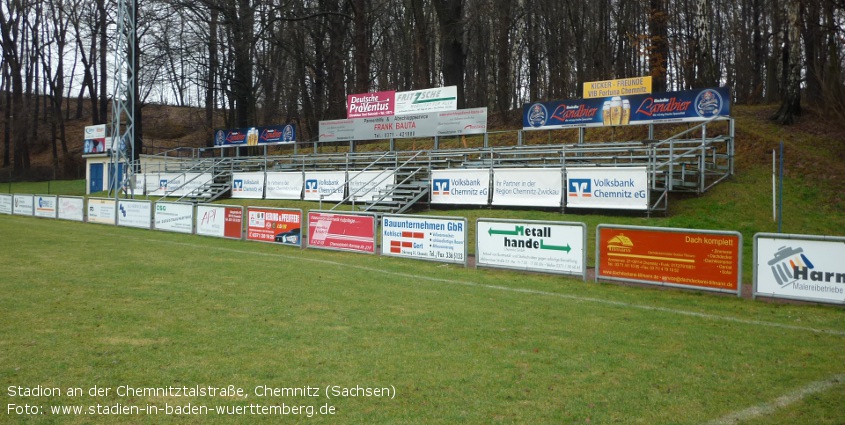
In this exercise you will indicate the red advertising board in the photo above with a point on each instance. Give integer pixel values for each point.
(681, 257)
(345, 232)
(367, 105)
(274, 225)
(219, 221)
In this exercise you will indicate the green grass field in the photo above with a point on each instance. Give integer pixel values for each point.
(87, 305)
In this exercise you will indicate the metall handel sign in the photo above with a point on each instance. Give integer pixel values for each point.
(541, 246)
(622, 188)
(283, 226)
(460, 186)
(687, 258)
(683, 106)
(801, 267)
(425, 238)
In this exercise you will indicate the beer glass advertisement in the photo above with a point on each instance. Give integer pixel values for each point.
(23, 204)
(683, 106)
(71, 208)
(540, 246)
(800, 267)
(274, 225)
(5, 204)
(691, 258)
(429, 238)
(222, 221)
(255, 136)
(46, 206)
(342, 232)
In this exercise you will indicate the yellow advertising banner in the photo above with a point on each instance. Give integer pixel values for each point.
(623, 87)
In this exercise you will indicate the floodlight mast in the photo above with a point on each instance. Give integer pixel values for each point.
(123, 99)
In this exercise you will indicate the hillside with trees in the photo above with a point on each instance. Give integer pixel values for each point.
(241, 63)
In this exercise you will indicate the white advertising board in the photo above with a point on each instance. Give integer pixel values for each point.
(222, 221)
(427, 100)
(620, 188)
(462, 121)
(365, 185)
(248, 185)
(139, 187)
(460, 186)
(337, 130)
(536, 187)
(5, 204)
(23, 204)
(132, 213)
(284, 185)
(102, 211)
(801, 267)
(46, 206)
(425, 238)
(174, 217)
(192, 182)
(164, 183)
(540, 246)
(71, 208)
(328, 185)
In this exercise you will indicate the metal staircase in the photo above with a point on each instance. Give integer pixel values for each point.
(220, 184)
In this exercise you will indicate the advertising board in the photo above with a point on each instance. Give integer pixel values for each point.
(342, 232)
(6, 204)
(95, 139)
(46, 206)
(620, 188)
(283, 185)
(23, 204)
(174, 217)
(71, 208)
(425, 238)
(541, 246)
(248, 185)
(276, 225)
(366, 105)
(337, 130)
(537, 187)
(427, 100)
(684, 106)
(102, 211)
(460, 186)
(800, 267)
(132, 213)
(421, 124)
(255, 136)
(222, 221)
(686, 258)
(325, 185)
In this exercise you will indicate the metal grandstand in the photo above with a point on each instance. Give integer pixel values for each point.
(690, 161)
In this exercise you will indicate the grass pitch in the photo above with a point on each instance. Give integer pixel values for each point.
(384, 340)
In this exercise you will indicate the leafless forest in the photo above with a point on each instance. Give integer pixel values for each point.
(266, 62)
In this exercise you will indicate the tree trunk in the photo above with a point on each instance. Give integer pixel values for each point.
(790, 109)
(450, 18)
(658, 21)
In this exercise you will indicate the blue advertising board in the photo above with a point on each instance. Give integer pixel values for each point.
(682, 106)
(255, 136)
